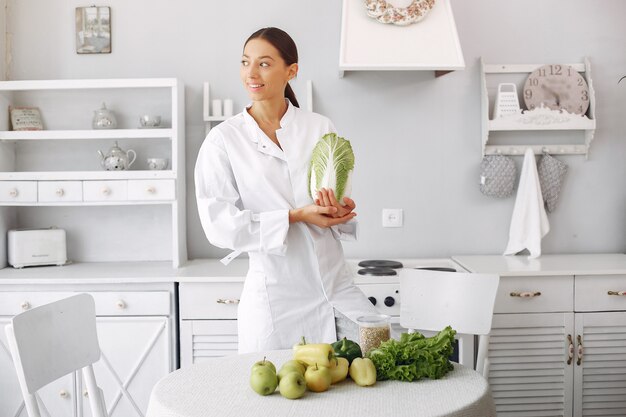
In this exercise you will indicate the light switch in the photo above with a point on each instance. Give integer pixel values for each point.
(392, 217)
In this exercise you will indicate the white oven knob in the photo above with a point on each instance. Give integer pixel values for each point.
(13, 192)
(60, 192)
(25, 305)
(106, 191)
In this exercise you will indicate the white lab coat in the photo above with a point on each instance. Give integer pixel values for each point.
(245, 187)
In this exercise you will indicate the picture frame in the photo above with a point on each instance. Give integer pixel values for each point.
(93, 30)
(25, 118)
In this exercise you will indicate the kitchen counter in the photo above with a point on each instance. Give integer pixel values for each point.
(201, 270)
(574, 264)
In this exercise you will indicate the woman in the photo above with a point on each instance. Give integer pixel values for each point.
(252, 192)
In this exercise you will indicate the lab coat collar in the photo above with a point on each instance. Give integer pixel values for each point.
(284, 121)
(257, 136)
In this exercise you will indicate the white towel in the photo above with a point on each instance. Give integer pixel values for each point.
(529, 222)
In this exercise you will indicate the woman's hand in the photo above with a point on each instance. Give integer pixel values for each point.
(318, 215)
(326, 198)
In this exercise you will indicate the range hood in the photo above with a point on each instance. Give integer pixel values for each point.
(431, 44)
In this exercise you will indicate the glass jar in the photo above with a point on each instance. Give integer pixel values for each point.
(373, 330)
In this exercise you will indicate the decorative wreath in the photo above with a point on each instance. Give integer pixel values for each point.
(384, 12)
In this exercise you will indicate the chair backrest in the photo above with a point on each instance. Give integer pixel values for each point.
(54, 340)
(432, 300)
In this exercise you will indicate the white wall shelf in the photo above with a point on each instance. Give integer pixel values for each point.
(85, 175)
(535, 120)
(87, 134)
(24, 183)
(209, 120)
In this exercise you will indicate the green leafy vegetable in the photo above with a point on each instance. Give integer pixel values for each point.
(414, 356)
(331, 166)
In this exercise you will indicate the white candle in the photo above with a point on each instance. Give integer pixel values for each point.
(228, 107)
(217, 108)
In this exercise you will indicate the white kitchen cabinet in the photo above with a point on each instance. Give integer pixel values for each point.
(208, 320)
(136, 329)
(60, 166)
(558, 340)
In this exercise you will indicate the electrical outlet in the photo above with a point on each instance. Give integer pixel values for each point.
(392, 217)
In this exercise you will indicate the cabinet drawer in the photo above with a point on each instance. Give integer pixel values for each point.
(209, 301)
(18, 191)
(105, 190)
(151, 190)
(592, 293)
(108, 303)
(58, 191)
(535, 294)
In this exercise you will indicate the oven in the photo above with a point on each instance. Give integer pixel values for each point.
(380, 281)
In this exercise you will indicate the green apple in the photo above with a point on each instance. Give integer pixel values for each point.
(318, 378)
(291, 366)
(292, 385)
(264, 363)
(263, 380)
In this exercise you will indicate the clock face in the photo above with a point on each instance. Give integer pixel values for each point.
(557, 87)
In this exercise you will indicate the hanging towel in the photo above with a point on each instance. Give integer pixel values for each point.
(529, 222)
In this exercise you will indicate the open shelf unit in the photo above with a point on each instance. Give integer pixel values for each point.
(209, 120)
(550, 120)
(71, 175)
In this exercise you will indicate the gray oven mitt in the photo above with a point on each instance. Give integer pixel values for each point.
(551, 173)
(497, 176)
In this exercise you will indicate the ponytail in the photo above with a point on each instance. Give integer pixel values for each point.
(291, 95)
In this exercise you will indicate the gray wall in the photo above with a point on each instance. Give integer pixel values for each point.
(416, 138)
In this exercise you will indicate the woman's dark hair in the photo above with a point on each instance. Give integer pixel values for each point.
(286, 47)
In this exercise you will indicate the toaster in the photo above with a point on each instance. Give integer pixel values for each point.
(33, 247)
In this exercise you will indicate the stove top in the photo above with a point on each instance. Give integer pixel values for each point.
(387, 271)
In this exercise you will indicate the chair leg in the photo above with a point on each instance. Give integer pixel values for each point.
(96, 397)
(481, 358)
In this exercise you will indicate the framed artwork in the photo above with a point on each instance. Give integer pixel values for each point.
(25, 118)
(93, 30)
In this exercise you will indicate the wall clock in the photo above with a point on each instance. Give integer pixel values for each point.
(557, 87)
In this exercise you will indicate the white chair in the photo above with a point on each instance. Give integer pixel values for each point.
(54, 340)
(432, 300)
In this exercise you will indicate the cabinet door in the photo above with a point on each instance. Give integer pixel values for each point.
(57, 399)
(600, 375)
(135, 356)
(529, 374)
(204, 339)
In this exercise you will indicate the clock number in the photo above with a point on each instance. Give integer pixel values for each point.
(533, 82)
(542, 72)
(528, 93)
(580, 82)
(580, 108)
(585, 96)
(569, 71)
(555, 69)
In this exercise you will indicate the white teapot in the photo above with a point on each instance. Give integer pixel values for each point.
(117, 159)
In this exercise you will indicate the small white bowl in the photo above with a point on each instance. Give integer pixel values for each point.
(150, 121)
(157, 164)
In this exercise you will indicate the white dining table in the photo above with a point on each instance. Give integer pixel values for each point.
(220, 387)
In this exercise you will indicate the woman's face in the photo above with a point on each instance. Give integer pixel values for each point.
(263, 71)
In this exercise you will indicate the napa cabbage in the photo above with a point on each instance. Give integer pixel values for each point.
(332, 163)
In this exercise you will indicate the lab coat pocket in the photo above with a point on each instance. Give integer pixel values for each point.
(255, 323)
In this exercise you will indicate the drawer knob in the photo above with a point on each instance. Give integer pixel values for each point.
(223, 301)
(121, 304)
(60, 192)
(151, 190)
(64, 394)
(525, 294)
(85, 393)
(13, 192)
(106, 191)
(25, 305)
(616, 293)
